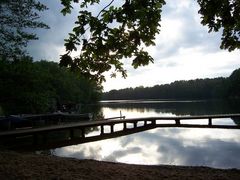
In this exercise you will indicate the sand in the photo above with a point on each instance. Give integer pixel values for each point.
(15, 165)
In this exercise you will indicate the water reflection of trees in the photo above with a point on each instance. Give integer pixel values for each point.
(181, 108)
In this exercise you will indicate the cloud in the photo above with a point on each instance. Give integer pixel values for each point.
(51, 42)
(214, 153)
(79, 152)
(177, 146)
(181, 29)
(184, 50)
(122, 153)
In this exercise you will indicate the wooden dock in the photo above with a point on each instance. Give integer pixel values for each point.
(138, 124)
(36, 120)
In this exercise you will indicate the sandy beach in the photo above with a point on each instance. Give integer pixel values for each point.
(31, 166)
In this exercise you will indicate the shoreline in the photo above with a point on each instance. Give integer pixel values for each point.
(14, 165)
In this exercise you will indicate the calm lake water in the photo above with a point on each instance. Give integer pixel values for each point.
(169, 146)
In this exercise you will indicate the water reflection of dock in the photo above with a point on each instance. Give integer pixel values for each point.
(75, 133)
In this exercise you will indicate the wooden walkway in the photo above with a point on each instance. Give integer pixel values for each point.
(138, 124)
(108, 122)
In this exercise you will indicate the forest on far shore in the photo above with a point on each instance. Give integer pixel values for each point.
(216, 88)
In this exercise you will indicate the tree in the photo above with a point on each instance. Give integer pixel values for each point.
(217, 88)
(122, 29)
(225, 15)
(16, 18)
(39, 87)
(116, 32)
(234, 89)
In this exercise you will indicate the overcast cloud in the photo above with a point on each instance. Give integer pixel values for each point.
(184, 49)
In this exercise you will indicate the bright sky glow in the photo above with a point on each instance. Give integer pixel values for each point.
(184, 49)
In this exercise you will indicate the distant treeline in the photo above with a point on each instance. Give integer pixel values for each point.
(217, 88)
(40, 87)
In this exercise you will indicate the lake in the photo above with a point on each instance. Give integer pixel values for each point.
(217, 148)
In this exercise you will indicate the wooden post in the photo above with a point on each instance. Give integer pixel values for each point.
(83, 132)
(135, 125)
(154, 122)
(177, 121)
(112, 129)
(124, 126)
(102, 129)
(145, 123)
(210, 121)
(71, 133)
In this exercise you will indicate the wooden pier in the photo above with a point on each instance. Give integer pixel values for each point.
(38, 120)
(137, 125)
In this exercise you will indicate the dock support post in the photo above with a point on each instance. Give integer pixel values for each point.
(135, 125)
(71, 133)
(154, 122)
(177, 121)
(124, 126)
(210, 121)
(83, 132)
(102, 129)
(145, 123)
(112, 130)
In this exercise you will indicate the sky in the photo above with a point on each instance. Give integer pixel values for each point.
(184, 49)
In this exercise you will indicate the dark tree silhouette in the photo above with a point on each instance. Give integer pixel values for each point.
(116, 32)
(16, 18)
(225, 15)
(42, 86)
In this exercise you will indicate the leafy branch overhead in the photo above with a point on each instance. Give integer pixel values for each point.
(117, 31)
(122, 29)
(223, 15)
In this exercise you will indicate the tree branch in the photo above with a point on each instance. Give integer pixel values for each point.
(105, 8)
